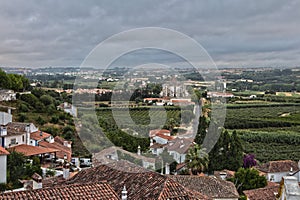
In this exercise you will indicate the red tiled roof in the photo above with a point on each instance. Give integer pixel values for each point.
(161, 135)
(153, 133)
(266, 193)
(209, 186)
(39, 135)
(29, 150)
(3, 151)
(157, 145)
(279, 166)
(172, 191)
(140, 183)
(180, 100)
(61, 149)
(76, 192)
(61, 140)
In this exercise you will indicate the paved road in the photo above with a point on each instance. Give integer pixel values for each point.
(195, 122)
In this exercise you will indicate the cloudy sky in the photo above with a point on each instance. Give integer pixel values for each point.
(234, 33)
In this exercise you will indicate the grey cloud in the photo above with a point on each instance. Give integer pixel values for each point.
(62, 33)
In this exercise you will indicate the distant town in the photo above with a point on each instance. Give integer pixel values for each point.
(149, 132)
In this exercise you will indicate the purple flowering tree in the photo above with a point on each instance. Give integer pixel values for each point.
(249, 161)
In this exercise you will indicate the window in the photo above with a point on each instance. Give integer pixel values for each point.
(272, 178)
(23, 138)
(13, 141)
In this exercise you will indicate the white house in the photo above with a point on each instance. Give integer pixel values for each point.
(160, 136)
(178, 148)
(38, 136)
(7, 95)
(112, 154)
(3, 164)
(16, 133)
(289, 189)
(68, 108)
(275, 170)
(156, 148)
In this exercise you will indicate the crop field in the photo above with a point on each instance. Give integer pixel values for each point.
(141, 119)
(271, 145)
(244, 117)
(271, 132)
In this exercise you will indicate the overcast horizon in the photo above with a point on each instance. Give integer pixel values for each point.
(235, 34)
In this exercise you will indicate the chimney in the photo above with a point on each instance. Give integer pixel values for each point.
(27, 134)
(151, 141)
(139, 150)
(66, 171)
(124, 193)
(3, 131)
(37, 181)
(223, 175)
(167, 168)
(9, 110)
(65, 104)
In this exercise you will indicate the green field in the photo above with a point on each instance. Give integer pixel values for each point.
(270, 131)
(142, 119)
(262, 116)
(271, 145)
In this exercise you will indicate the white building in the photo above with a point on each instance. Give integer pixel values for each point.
(275, 170)
(178, 148)
(7, 95)
(5, 118)
(16, 133)
(289, 189)
(68, 108)
(3, 164)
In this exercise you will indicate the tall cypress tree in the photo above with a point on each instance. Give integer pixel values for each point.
(235, 153)
(227, 153)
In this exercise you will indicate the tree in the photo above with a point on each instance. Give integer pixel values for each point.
(166, 158)
(249, 161)
(16, 82)
(171, 123)
(235, 152)
(227, 152)
(248, 179)
(202, 128)
(4, 80)
(196, 159)
(15, 167)
(22, 117)
(46, 100)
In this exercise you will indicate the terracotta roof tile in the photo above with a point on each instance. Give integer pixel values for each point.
(140, 183)
(3, 151)
(161, 135)
(16, 128)
(39, 135)
(209, 186)
(157, 145)
(61, 149)
(268, 193)
(279, 166)
(76, 192)
(154, 132)
(61, 140)
(180, 145)
(29, 150)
